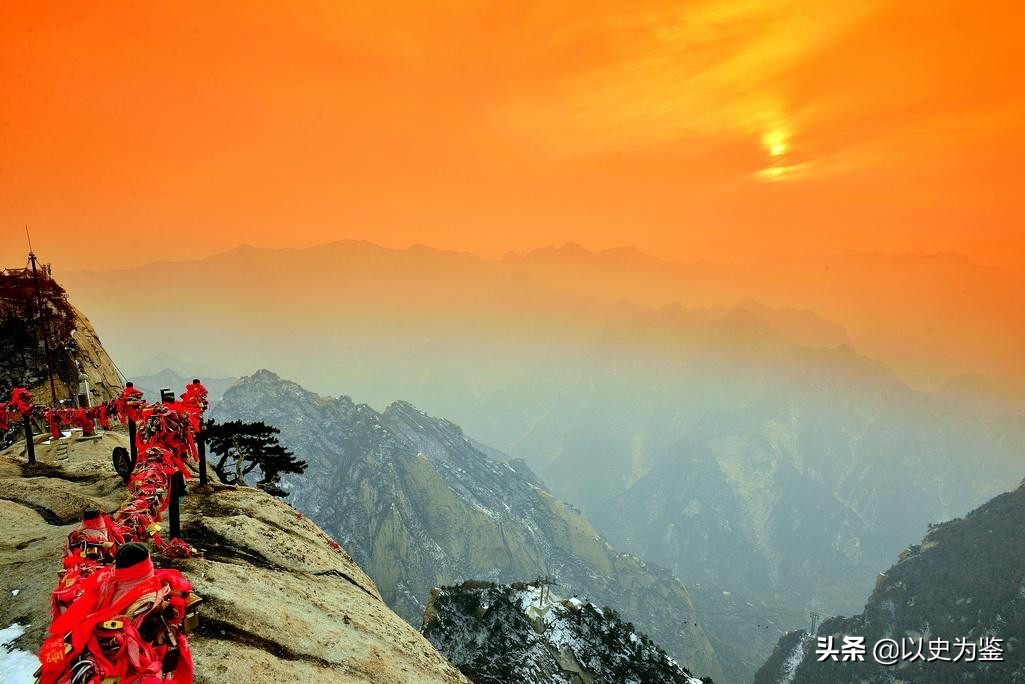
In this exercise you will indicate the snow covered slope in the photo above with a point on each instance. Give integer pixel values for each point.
(517, 633)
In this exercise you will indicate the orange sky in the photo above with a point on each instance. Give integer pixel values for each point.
(725, 130)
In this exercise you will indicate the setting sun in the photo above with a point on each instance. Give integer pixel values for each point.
(776, 143)
(605, 337)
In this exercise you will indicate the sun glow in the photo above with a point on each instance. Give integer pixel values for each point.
(776, 143)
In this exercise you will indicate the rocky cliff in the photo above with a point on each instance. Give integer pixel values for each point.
(419, 506)
(520, 633)
(74, 345)
(966, 580)
(281, 603)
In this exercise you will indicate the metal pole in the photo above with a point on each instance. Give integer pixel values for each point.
(29, 444)
(46, 339)
(177, 484)
(133, 449)
(201, 444)
(173, 509)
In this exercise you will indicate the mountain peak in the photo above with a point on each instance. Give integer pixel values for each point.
(164, 361)
(744, 324)
(264, 375)
(977, 394)
(402, 406)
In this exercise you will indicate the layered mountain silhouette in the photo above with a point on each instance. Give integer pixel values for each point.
(976, 394)
(788, 476)
(753, 451)
(898, 308)
(151, 384)
(164, 361)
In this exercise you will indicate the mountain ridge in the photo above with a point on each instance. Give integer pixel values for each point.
(869, 295)
(418, 505)
(966, 579)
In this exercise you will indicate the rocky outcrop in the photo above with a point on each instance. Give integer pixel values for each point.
(74, 345)
(419, 506)
(281, 604)
(519, 633)
(966, 580)
(104, 378)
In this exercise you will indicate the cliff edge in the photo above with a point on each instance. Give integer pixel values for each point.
(282, 602)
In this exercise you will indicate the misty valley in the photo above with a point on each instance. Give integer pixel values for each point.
(722, 480)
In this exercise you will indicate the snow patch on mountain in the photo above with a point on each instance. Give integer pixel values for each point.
(522, 632)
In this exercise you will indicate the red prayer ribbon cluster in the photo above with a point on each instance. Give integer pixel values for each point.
(165, 441)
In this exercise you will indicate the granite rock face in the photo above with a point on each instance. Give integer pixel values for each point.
(281, 603)
(75, 347)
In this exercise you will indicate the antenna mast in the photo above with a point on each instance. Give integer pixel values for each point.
(39, 310)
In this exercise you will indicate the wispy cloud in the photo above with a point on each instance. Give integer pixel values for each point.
(677, 72)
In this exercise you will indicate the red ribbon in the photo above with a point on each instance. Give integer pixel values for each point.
(165, 441)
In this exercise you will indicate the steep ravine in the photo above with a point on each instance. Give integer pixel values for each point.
(419, 506)
(966, 580)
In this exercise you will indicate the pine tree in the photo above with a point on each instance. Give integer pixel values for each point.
(244, 447)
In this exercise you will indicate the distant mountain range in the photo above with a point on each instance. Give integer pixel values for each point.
(788, 475)
(929, 316)
(163, 361)
(151, 384)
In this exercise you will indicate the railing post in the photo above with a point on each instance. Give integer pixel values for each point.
(201, 445)
(173, 509)
(30, 446)
(177, 483)
(133, 450)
